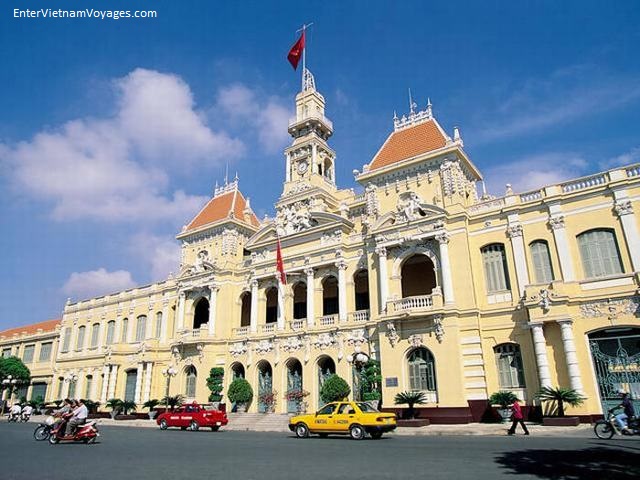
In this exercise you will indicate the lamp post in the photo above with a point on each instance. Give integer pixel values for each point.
(358, 360)
(168, 373)
(10, 383)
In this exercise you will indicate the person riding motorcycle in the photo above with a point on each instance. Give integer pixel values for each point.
(15, 411)
(27, 411)
(79, 417)
(622, 419)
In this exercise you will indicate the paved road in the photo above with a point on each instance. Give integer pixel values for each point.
(142, 453)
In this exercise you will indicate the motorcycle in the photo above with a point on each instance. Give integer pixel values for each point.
(43, 430)
(87, 433)
(24, 417)
(606, 428)
(13, 417)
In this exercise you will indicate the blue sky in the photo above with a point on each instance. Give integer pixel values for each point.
(113, 133)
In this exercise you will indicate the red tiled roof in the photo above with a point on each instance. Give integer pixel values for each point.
(48, 326)
(220, 208)
(409, 142)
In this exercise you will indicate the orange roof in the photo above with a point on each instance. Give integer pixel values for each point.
(409, 142)
(221, 207)
(47, 326)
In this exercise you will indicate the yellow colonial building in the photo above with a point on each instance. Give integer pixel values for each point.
(456, 293)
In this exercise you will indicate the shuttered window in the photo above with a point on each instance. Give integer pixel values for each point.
(509, 361)
(67, 339)
(495, 268)
(111, 331)
(89, 385)
(45, 352)
(125, 330)
(80, 339)
(599, 252)
(141, 328)
(27, 354)
(190, 387)
(541, 261)
(422, 374)
(158, 325)
(95, 335)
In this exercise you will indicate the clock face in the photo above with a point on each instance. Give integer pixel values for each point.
(302, 167)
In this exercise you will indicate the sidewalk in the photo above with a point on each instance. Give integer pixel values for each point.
(475, 429)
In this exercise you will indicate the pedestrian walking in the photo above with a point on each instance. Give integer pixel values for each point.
(517, 417)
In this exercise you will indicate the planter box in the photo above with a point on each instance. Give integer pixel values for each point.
(414, 422)
(561, 421)
(126, 417)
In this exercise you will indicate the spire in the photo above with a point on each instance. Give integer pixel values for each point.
(429, 110)
(412, 105)
(414, 116)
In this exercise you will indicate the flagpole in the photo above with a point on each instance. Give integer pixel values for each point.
(304, 55)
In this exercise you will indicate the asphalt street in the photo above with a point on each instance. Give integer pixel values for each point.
(144, 453)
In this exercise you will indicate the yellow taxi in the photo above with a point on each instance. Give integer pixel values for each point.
(353, 418)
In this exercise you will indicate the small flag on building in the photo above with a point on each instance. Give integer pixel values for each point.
(280, 264)
(295, 54)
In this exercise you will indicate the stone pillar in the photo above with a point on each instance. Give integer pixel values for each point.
(93, 394)
(310, 297)
(540, 348)
(342, 290)
(105, 384)
(383, 278)
(514, 231)
(101, 335)
(165, 321)
(113, 379)
(445, 267)
(138, 391)
(148, 334)
(213, 298)
(288, 167)
(147, 382)
(254, 306)
(65, 387)
(181, 301)
(280, 304)
(80, 387)
(575, 380)
(556, 222)
(624, 210)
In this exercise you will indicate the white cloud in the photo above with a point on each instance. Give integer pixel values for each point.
(632, 156)
(160, 253)
(535, 171)
(97, 282)
(117, 169)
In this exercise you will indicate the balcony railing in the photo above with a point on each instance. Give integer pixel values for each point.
(360, 316)
(419, 302)
(298, 324)
(241, 331)
(314, 116)
(268, 328)
(327, 320)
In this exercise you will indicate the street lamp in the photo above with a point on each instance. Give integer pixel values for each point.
(168, 373)
(8, 382)
(358, 360)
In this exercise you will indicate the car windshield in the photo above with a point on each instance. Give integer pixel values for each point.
(209, 408)
(366, 408)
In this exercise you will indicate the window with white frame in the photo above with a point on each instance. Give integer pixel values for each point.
(509, 362)
(422, 370)
(80, 339)
(45, 352)
(125, 330)
(6, 352)
(111, 331)
(599, 252)
(66, 343)
(541, 261)
(158, 325)
(95, 335)
(141, 328)
(88, 386)
(495, 268)
(27, 354)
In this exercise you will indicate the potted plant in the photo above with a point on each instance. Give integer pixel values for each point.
(240, 393)
(410, 398)
(269, 400)
(503, 399)
(128, 406)
(334, 388)
(556, 398)
(92, 407)
(115, 404)
(151, 404)
(173, 402)
(298, 396)
(214, 383)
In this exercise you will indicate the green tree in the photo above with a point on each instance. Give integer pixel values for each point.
(560, 396)
(371, 381)
(129, 406)
(410, 398)
(334, 388)
(240, 391)
(13, 366)
(173, 401)
(214, 383)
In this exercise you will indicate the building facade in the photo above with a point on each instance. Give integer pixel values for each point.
(456, 293)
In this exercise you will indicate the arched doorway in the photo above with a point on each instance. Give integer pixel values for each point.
(265, 385)
(616, 361)
(299, 301)
(271, 313)
(130, 385)
(294, 386)
(201, 313)
(326, 368)
(191, 377)
(245, 312)
(330, 296)
(237, 371)
(418, 276)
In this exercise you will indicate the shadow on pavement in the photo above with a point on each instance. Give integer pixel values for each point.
(600, 462)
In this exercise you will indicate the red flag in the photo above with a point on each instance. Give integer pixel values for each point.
(296, 52)
(280, 264)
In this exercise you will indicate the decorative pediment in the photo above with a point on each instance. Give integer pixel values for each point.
(409, 208)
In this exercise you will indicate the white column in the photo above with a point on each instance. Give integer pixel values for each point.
(148, 334)
(82, 377)
(105, 384)
(556, 222)
(138, 390)
(310, 296)
(65, 388)
(147, 382)
(445, 267)
(514, 231)
(624, 210)
(280, 304)
(213, 298)
(113, 378)
(342, 290)
(165, 321)
(101, 335)
(117, 329)
(287, 167)
(254, 306)
(181, 301)
(93, 394)
(383, 280)
(540, 348)
(575, 381)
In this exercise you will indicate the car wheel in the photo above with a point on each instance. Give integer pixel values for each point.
(376, 435)
(215, 429)
(163, 424)
(302, 431)
(356, 431)
(603, 430)
(194, 426)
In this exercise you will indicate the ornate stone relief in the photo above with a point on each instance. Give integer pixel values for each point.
(263, 347)
(324, 340)
(373, 206)
(453, 178)
(356, 337)
(556, 222)
(438, 328)
(623, 207)
(331, 238)
(392, 334)
(409, 207)
(611, 308)
(294, 218)
(238, 348)
(230, 241)
(545, 300)
(514, 230)
(415, 340)
(292, 344)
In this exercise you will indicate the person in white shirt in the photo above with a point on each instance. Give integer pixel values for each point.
(80, 414)
(16, 410)
(27, 411)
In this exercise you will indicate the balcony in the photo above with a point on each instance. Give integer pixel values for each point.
(241, 332)
(418, 303)
(298, 324)
(360, 316)
(294, 122)
(328, 320)
(268, 328)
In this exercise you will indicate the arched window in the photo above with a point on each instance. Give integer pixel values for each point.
(125, 330)
(299, 301)
(201, 313)
(141, 328)
(541, 261)
(422, 370)
(495, 267)
(80, 339)
(95, 335)
(245, 312)
(361, 288)
(330, 296)
(190, 384)
(60, 385)
(237, 370)
(111, 330)
(418, 276)
(272, 305)
(88, 386)
(599, 252)
(509, 361)
(158, 325)
(71, 393)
